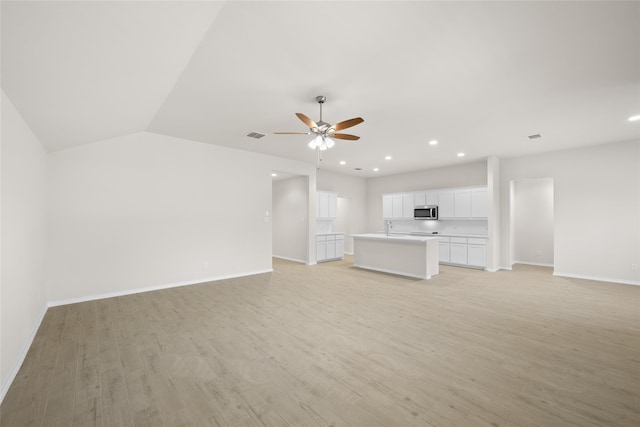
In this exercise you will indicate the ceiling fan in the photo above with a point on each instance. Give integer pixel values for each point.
(324, 132)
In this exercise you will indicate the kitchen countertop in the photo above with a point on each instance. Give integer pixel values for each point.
(396, 237)
(478, 236)
(419, 233)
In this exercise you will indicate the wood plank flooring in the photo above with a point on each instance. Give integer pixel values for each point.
(332, 345)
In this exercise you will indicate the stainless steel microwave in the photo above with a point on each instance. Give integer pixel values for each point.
(425, 212)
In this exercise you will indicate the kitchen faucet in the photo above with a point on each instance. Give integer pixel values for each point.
(388, 227)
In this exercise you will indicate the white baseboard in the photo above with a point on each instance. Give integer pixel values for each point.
(23, 353)
(599, 279)
(154, 288)
(539, 264)
(290, 259)
(349, 253)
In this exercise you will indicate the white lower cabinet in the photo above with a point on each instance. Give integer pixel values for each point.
(444, 248)
(329, 247)
(463, 251)
(340, 246)
(321, 247)
(477, 252)
(458, 251)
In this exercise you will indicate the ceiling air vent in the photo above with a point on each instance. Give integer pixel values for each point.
(256, 135)
(357, 169)
(536, 136)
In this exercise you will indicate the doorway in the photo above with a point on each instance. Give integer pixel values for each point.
(290, 217)
(532, 222)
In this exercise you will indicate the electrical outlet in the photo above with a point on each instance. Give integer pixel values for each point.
(538, 252)
(634, 267)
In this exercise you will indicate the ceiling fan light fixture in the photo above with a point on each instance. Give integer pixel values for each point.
(330, 142)
(323, 130)
(316, 142)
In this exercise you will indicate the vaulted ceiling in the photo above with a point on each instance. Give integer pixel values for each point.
(479, 77)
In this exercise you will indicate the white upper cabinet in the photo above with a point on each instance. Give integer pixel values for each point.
(455, 203)
(397, 206)
(333, 205)
(387, 206)
(326, 204)
(479, 203)
(408, 205)
(445, 204)
(462, 203)
(425, 198)
(431, 198)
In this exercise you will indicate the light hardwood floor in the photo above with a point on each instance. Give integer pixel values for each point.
(331, 345)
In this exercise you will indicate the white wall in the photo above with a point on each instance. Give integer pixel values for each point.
(354, 189)
(493, 222)
(464, 175)
(23, 301)
(596, 208)
(533, 221)
(147, 210)
(290, 218)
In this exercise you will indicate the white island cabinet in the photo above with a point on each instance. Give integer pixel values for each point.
(413, 256)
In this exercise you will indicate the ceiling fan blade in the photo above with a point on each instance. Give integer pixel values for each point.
(345, 136)
(292, 133)
(307, 121)
(348, 123)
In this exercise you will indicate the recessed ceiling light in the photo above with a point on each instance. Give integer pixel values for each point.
(376, 169)
(634, 118)
(342, 162)
(387, 158)
(460, 154)
(433, 142)
(274, 174)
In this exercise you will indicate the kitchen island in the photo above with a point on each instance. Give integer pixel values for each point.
(413, 256)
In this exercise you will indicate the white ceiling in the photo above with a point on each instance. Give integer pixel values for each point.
(477, 76)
